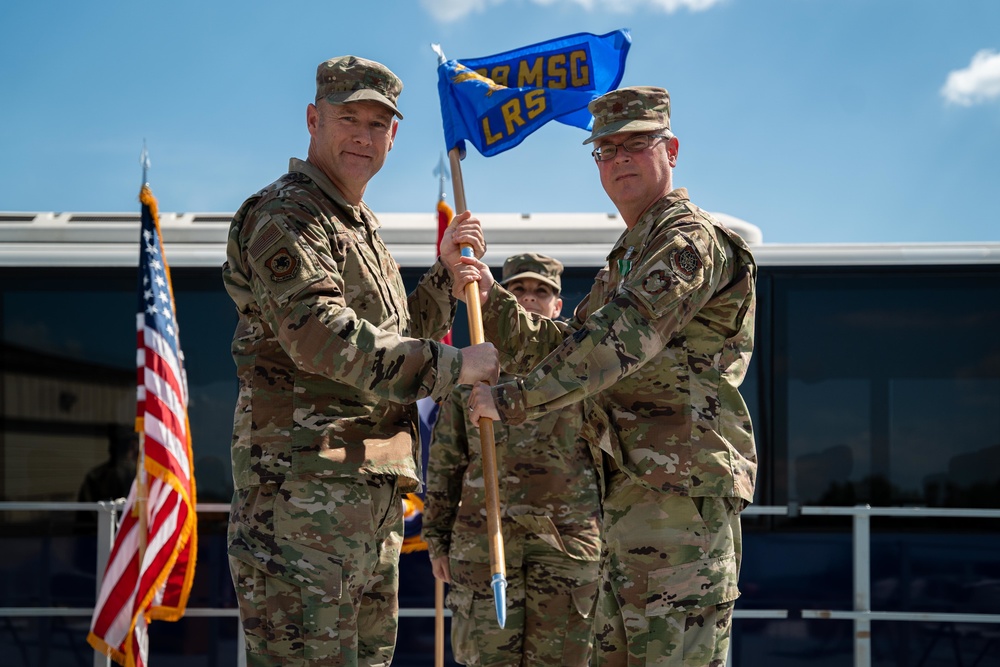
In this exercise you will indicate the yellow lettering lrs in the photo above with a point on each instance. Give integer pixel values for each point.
(535, 99)
(511, 115)
(488, 135)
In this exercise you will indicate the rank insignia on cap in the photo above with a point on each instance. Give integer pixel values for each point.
(282, 265)
(685, 262)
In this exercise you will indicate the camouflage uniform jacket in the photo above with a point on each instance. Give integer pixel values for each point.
(330, 363)
(547, 485)
(662, 344)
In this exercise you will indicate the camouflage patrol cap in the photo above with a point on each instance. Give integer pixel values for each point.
(351, 79)
(533, 265)
(634, 109)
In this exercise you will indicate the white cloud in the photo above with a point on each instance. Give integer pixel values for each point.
(668, 6)
(979, 82)
(452, 10)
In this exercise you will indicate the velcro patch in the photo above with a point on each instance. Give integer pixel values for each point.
(265, 240)
(685, 262)
(656, 282)
(283, 265)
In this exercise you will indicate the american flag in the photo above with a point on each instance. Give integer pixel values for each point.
(152, 562)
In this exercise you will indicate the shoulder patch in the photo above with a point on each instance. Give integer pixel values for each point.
(264, 240)
(656, 282)
(283, 265)
(685, 262)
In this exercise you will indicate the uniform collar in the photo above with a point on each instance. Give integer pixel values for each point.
(361, 214)
(636, 237)
(667, 201)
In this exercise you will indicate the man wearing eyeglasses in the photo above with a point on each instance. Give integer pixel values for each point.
(657, 351)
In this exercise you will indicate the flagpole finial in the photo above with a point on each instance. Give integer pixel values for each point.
(144, 162)
(440, 53)
(441, 171)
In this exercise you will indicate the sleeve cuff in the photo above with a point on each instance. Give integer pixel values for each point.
(439, 268)
(449, 367)
(435, 549)
(509, 400)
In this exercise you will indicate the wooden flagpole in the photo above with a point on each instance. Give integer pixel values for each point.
(438, 623)
(487, 439)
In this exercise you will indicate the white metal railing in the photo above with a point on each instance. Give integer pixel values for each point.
(862, 615)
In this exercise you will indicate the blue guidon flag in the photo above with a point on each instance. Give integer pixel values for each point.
(495, 102)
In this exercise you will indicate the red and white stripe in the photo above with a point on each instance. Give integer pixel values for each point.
(134, 593)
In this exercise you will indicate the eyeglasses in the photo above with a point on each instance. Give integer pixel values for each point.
(639, 142)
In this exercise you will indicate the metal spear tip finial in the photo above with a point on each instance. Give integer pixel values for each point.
(500, 597)
(144, 162)
(441, 171)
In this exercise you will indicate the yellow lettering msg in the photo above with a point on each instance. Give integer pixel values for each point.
(530, 76)
(579, 71)
(558, 70)
(513, 115)
(568, 70)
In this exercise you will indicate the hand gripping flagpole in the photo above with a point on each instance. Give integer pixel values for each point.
(487, 440)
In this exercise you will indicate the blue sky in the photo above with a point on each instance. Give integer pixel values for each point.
(817, 120)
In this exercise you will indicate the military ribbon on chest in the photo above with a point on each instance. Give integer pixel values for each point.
(625, 263)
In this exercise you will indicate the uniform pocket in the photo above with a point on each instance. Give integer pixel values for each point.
(696, 585)
(463, 642)
(585, 599)
(689, 607)
(578, 631)
(289, 596)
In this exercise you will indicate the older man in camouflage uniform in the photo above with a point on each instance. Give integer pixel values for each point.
(550, 518)
(662, 344)
(331, 356)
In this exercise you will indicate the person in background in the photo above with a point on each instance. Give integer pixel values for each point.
(662, 344)
(331, 357)
(109, 480)
(113, 478)
(549, 510)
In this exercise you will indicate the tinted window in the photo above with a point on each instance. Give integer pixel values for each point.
(887, 387)
(69, 346)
